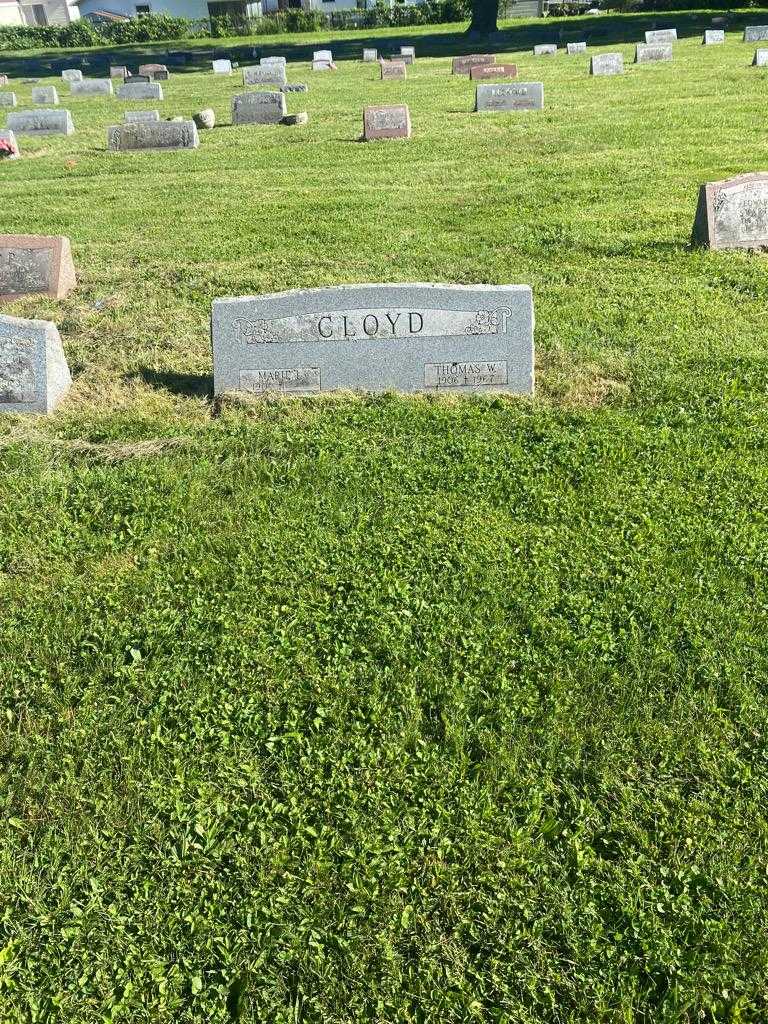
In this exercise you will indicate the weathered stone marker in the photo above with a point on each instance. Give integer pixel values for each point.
(545, 50)
(661, 35)
(153, 135)
(574, 48)
(34, 375)
(9, 139)
(7, 99)
(760, 60)
(264, 74)
(370, 56)
(92, 87)
(222, 67)
(151, 69)
(71, 75)
(140, 91)
(137, 79)
(324, 56)
(392, 122)
(45, 96)
(41, 122)
(402, 337)
(3, 79)
(755, 33)
(462, 65)
(35, 265)
(408, 51)
(266, 61)
(491, 72)
(501, 97)
(134, 116)
(713, 37)
(607, 64)
(733, 214)
(323, 65)
(119, 71)
(392, 69)
(294, 87)
(655, 52)
(258, 108)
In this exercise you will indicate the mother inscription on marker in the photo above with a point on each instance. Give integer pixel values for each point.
(417, 337)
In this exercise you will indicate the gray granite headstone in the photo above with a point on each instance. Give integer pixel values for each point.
(45, 96)
(760, 60)
(661, 35)
(574, 48)
(222, 67)
(755, 33)
(72, 75)
(279, 61)
(140, 91)
(134, 116)
(380, 337)
(324, 56)
(323, 65)
(10, 138)
(34, 375)
(733, 214)
(713, 37)
(41, 122)
(119, 71)
(370, 56)
(7, 99)
(92, 87)
(545, 50)
(36, 265)
(408, 51)
(606, 64)
(504, 96)
(153, 135)
(264, 74)
(258, 108)
(294, 87)
(645, 54)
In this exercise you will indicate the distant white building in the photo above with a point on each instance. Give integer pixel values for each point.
(46, 12)
(196, 10)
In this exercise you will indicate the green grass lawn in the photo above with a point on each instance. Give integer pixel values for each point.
(395, 709)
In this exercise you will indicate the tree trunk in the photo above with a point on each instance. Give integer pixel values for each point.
(485, 15)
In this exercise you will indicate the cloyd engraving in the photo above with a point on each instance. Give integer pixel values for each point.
(351, 325)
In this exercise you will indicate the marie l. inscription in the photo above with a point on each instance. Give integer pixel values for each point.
(300, 380)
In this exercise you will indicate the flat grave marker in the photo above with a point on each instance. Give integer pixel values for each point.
(34, 376)
(755, 33)
(574, 48)
(258, 108)
(391, 122)
(152, 69)
(294, 87)
(713, 37)
(501, 97)
(8, 99)
(402, 337)
(222, 67)
(545, 50)
(35, 265)
(733, 214)
(270, 61)
(134, 116)
(71, 75)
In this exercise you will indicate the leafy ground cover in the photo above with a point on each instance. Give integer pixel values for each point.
(394, 709)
